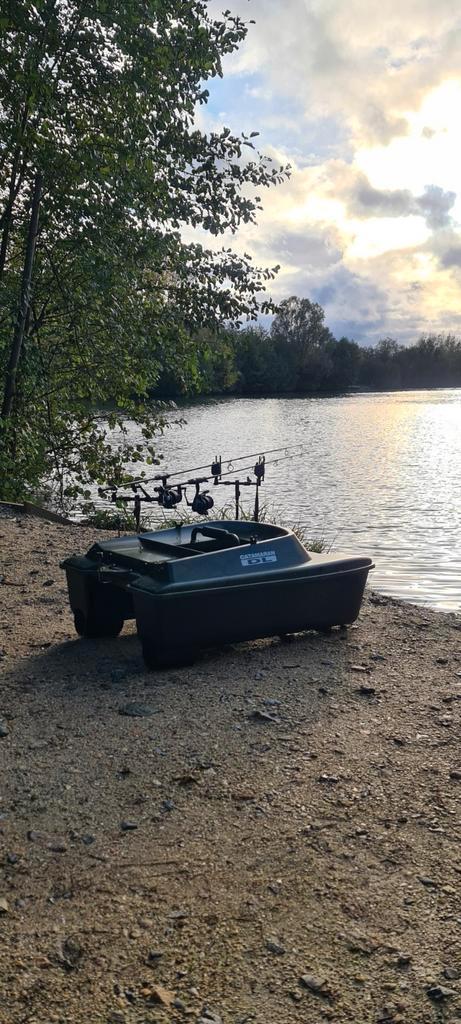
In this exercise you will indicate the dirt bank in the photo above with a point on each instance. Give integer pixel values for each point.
(201, 856)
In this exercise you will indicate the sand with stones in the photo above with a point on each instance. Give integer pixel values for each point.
(195, 863)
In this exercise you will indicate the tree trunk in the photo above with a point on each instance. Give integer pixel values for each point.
(24, 302)
(7, 216)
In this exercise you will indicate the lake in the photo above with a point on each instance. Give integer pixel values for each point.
(378, 474)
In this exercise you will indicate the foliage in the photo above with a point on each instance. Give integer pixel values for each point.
(300, 355)
(299, 332)
(120, 519)
(98, 104)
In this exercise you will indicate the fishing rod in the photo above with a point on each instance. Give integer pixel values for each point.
(272, 462)
(168, 495)
(218, 461)
(139, 483)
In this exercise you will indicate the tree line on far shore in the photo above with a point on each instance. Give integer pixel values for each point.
(300, 354)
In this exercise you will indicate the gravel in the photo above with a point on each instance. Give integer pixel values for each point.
(333, 830)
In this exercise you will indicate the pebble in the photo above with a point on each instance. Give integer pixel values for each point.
(116, 1017)
(88, 839)
(403, 960)
(33, 836)
(441, 661)
(263, 716)
(386, 1014)
(70, 953)
(366, 691)
(359, 668)
(135, 710)
(159, 994)
(274, 947)
(455, 774)
(168, 805)
(243, 796)
(209, 1017)
(4, 730)
(128, 826)
(313, 983)
(430, 883)
(452, 973)
(439, 992)
(186, 779)
(329, 780)
(12, 858)
(154, 955)
(4, 907)
(57, 847)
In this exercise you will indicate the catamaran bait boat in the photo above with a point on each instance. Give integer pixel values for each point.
(197, 586)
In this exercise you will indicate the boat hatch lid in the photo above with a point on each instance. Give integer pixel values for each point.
(209, 550)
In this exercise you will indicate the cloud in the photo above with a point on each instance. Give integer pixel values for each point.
(364, 104)
(363, 200)
(436, 205)
(310, 247)
(452, 256)
(368, 65)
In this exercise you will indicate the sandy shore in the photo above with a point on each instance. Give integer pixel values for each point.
(195, 862)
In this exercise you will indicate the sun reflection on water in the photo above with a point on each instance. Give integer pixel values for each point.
(380, 473)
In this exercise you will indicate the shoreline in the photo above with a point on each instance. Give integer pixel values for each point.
(195, 859)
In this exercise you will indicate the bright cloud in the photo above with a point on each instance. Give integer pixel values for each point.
(363, 101)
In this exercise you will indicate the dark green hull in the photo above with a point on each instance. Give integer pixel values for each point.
(188, 593)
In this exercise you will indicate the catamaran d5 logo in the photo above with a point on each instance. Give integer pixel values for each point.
(258, 558)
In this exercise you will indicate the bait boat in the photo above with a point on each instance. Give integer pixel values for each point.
(197, 586)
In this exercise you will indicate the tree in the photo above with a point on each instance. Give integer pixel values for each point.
(345, 356)
(299, 328)
(98, 104)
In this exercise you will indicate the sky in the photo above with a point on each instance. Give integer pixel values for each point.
(363, 99)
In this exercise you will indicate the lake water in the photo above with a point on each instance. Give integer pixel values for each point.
(378, 474)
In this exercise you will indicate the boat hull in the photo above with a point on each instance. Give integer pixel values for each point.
(221, 615)
(238, 581)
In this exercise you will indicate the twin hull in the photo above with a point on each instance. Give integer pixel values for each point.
(195, 587)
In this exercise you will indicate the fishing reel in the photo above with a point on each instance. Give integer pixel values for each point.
(168, 497)
(202, 501)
